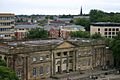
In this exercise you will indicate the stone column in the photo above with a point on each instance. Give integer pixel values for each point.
(25, 68)
(74, 66)
(28, 67)
(61, 62)
(67, 61)
(54, 65)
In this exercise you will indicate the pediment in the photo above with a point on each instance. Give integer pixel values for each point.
(65, 45)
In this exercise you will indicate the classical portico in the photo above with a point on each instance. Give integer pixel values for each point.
(64, 58)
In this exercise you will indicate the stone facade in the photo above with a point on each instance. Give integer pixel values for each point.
(36, 60)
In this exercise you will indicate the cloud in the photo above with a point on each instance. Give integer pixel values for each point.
(56, 6)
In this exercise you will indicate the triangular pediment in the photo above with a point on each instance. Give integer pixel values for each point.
(65, 45)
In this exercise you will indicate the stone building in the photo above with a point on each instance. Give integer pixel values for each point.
(40, 59)
(106, 29)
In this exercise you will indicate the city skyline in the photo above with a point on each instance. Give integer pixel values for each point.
(54, 7)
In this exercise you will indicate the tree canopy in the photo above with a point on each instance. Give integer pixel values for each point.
(37, 33)
(115, 47)
(96, 36)
(80, 34)
(6, 73)
(83, 22)
(101, 16)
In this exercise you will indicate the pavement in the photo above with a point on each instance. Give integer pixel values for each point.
(86, 75)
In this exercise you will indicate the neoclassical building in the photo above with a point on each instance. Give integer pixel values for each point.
(40, 59)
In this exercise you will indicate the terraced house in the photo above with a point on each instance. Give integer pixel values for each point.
(40, 59)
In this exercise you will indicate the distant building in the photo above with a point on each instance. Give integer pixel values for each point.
(21, 30)
(54, 33)
(56, 22)
(7, 26)
(66, 20)
(66, 30)
(82, 17)
(106, 29)
(63, 31)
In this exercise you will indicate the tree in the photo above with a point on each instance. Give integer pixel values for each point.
(6, 73)
(115, 47)
(37, 33)
(98, 16)
(2, 62)
(96, 36)
(101, 16)
(80, 34)
(42, 22)
(83, 22)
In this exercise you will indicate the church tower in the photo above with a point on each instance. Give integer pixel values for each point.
(81, 11)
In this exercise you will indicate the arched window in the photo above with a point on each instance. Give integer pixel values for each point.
(58, 62)
(65, 61)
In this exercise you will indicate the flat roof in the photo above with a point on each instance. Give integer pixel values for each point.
(103, 24)
(6, 14)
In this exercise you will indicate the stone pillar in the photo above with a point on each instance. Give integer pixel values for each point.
(14, 59)
(67, 61)
(54, 65)
(25, 68)
(74, 63)
(28, 67)
(61, 62)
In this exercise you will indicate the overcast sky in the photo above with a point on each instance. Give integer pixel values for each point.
(57, 7)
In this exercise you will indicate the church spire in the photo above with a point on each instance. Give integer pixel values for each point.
(81, 11)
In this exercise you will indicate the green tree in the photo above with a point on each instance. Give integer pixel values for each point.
(101, 16)
(6, 73)
(83, 22)
(115, 47)
(42, 22)
(37, 33)
(2, 62)
(80, 34)
(98, 16)
(96, 36)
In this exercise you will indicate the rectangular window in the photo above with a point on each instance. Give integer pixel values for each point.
(113, 33)
(65, 53)
(109, 33)
(41, 69)
(98, 29)
(70, 61)
(34, 59)
(105, 29)
(41, 58)
(34, 72)
(58, 54)
(109, 29)
(113, 29)
(105, 33)
(117, 29)
(47, 69)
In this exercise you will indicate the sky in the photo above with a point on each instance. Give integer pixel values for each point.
(57, 7)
